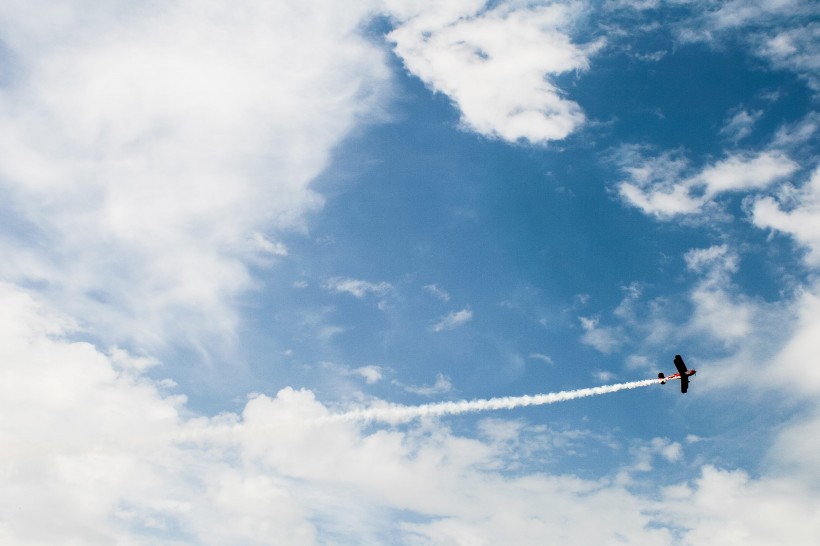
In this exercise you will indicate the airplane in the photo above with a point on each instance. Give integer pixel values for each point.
(683, 374)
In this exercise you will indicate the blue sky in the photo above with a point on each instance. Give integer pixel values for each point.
(222, 225)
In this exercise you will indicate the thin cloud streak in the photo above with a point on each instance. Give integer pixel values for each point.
(453, 320)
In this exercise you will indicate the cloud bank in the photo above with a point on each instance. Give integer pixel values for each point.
(149, 152)
(127, 462)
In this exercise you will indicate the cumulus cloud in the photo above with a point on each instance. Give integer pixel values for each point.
(97, 453)
(729, 507)
(145, 148)
(472, 54)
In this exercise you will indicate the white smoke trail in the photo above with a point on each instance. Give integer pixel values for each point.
(228, 430)
(394, 413)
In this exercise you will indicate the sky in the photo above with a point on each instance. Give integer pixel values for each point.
(230, 231)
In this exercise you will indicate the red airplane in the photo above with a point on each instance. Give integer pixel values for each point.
(683, 374)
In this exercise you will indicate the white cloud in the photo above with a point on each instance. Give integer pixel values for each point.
(795, 448)
(718, 311)
(472, 55)
(542, 357)
(643, 454)
(275, 248)
(356, 287)
(437, 292)
(653, 183)
(791, 367)
(95, 453)
(148, 144)
(638, 5)
(603, 339)
(736, 13)
(795, 49)
(453, 320)
(799, 132)
(716, 260)
(729, 507)
(661, 202)
(441, 386)
(784, 32)
(740, 125)
(801, 218)
(371, 374)
(605, 376)
(658, 187)
(743, 173)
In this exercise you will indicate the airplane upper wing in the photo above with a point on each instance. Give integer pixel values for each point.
(684, 377)
(679, 364)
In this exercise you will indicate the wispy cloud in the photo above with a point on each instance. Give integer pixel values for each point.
(264, 244)
(604, 339)
(795, 49)
(603, 375)
(441, 386)
(740, 125)
(542, 357)
(356, 287)
(658, 187)
(371, 374)
(453, 320)
(798, 216)
(783, 32)
(437, 292)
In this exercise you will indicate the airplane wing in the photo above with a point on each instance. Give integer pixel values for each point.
(684, 377)
(679, 364)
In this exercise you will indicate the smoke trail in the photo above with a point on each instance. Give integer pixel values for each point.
(233, 430)
(394, 413)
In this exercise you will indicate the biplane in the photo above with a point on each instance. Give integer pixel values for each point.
(683, 374)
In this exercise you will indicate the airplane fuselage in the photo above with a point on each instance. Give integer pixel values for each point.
(674, 376)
